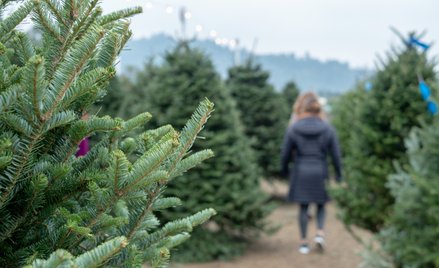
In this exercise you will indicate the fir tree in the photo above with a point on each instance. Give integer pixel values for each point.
(345, 108)
(378, 126)
(3, 5)
(411, 236)
(100, 207)
(230, 183)
(290, 93)
(114, 104)
(126, 98)
(263, 112)
(118, 101)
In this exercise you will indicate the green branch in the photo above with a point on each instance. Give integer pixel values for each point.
(73, 64)
(56, 12)
(77, 26)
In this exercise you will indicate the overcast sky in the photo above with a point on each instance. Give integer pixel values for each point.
(349, 30)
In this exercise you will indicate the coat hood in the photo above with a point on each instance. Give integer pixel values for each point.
(311, 126)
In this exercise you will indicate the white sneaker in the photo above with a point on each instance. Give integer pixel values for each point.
(320, 243)
(304, 249)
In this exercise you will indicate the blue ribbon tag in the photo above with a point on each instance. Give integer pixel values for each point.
(425, 90)
(432, 107)
(415, 41)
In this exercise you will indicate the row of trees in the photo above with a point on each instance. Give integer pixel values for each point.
(245, 133)
(390, 160)
(110, 207)
(120, 205)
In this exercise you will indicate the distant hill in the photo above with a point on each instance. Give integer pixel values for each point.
(328, 77)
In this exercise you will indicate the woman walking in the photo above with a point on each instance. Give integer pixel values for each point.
(308, 141)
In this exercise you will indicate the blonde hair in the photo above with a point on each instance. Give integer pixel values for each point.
(306, 105)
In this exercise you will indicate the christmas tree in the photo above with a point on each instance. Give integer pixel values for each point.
(230, 182)
(411, 235)
(95, 210)
(126, 96)
(290, 93)
(345, 108)
(263, 112)
(378, 126)
(120, 99)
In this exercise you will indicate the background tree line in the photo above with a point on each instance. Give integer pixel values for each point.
(388, 131)
(129, 201)
(245, 133)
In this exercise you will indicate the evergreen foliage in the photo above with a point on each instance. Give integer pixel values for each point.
(230, 184)
(290, 93)
(263, 111)
(345, 109)
(119, 99)
(126, 98)
(373, 125)
(100, 207)
(3, 5)
(411, 236)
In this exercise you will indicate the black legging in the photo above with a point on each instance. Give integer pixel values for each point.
(303, 218)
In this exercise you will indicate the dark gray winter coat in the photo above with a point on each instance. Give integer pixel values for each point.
(308, 143)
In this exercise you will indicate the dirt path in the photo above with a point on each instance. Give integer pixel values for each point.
(280, 249)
